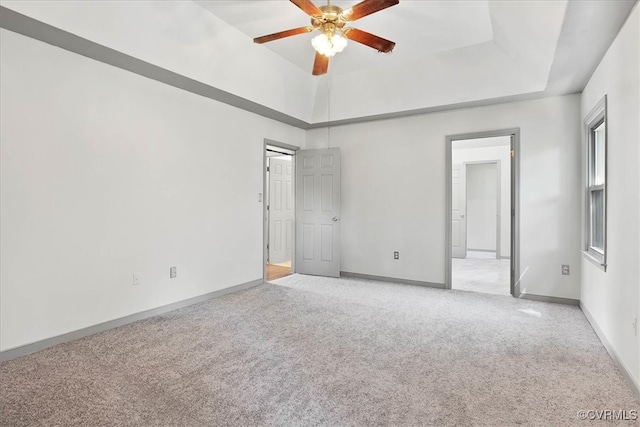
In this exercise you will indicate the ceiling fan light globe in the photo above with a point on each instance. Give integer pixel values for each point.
(339, 42)
(322, 44)
(329, 45)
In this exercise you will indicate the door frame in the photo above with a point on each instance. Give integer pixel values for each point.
(514, 133)
(498, 197)
(291, 150)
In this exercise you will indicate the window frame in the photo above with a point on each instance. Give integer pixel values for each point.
(594, 120)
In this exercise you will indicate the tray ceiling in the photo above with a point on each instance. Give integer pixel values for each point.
(418, 27)
(449, 54)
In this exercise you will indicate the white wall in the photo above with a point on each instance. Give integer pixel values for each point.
(613, 297)
(516, 60)
(393, 191)
(185, 38)
(459, 155)
(105, 173)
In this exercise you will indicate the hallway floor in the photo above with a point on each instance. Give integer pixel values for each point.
(276, 271)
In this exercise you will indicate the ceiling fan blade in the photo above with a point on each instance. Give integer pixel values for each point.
(320, 65)
(368, 39)
(282, 34)
(367, 7)
(307, 7)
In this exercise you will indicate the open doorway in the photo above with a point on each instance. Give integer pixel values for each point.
(279, 212)
(301, 222)
(482, 213)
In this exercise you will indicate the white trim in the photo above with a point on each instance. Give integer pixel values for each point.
(597, 114)
(598, 262)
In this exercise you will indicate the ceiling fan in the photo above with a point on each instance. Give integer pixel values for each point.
(330, 21)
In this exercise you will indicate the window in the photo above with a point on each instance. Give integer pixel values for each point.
(596, 180)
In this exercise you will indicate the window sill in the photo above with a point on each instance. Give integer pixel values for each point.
(598, 262)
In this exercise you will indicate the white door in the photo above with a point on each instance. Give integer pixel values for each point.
(482, 199)
(318, 212)
(458, 209)
(280, 210)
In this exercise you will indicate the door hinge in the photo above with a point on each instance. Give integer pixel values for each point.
(267, 246)
(267, 207)
(513, 153)
(267, 168)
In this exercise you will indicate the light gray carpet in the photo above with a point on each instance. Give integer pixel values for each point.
(319, 351)
(481, 272)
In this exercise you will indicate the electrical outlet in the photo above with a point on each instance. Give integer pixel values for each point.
(565, 270)
(396, 255)
(173, 272)
(137, 278)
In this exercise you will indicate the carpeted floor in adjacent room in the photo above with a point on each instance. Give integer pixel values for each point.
(481, 272)
(321, 351)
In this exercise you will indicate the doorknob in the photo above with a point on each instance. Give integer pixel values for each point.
(461, 215)
(335, 218)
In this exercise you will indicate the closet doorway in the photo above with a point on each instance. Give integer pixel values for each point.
(279, 211)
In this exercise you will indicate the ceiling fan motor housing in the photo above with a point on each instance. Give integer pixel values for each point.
(330, 15)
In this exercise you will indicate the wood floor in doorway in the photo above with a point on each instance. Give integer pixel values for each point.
(276, 271)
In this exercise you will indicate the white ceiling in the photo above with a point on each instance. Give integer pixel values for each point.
(449, 53)
(418, 27)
